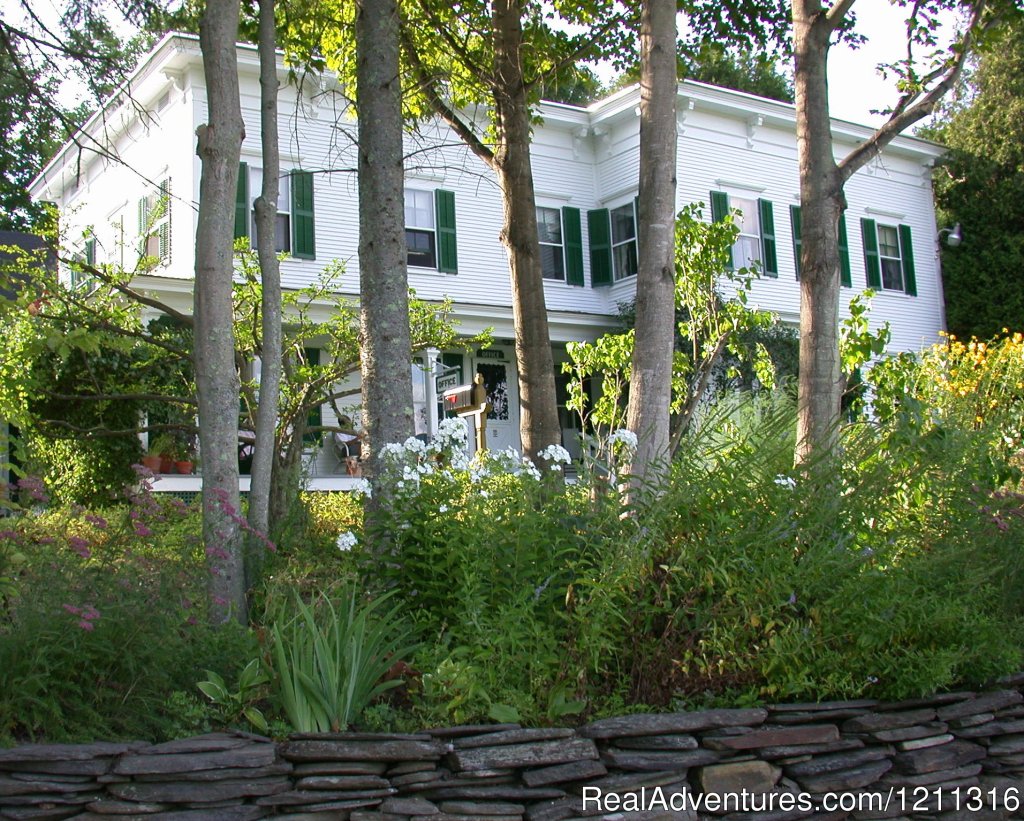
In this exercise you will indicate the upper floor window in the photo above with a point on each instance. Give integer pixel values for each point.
(294, 225)
(755, 244)
(283, 220)
(430, 230)
(624, 253)
(155, 223)
(889, 257)
(420, 230)
(552, 251)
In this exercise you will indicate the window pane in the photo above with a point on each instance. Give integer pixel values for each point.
(419, 209)
(888, 241)
(549, 225)
(623, 225)
(551, 262)
(421, 248)
(624, 260)
(746, 252)
(892, 274)
(283, 234)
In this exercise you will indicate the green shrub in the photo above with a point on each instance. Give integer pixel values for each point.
(106, 621)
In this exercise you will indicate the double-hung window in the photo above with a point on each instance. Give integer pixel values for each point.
(561, 244)
(889, 257)
(430, 230)
(420, 228)
(796, 223)
(755, 245)
(624, 251)
(155, 223)
(283, 219)
(294, 223)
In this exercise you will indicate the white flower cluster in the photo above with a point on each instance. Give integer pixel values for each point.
(785, 481)
(362, 487)
(347, 540)
(626, 438)
(556, 456)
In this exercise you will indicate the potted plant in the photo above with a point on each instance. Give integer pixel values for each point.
(185, 463)
(163, 447)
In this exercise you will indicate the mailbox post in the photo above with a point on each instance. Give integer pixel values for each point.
(470, 401)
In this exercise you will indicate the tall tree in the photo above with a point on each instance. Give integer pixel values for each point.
(219, 148)
(822, 179)
(383, 279)
(271, 352)
(980, 185)
(651, 373)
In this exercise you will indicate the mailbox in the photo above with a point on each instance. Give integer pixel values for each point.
(463, 400)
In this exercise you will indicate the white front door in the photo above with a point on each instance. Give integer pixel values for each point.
(503, 396)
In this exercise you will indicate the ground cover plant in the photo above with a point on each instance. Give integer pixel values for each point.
(502, 593)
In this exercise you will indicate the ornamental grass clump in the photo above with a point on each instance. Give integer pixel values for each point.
(330, 656)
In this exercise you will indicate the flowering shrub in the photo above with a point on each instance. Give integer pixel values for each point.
(487, 556)
(104, 619)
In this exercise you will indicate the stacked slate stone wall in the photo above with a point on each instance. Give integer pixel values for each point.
(955, 755)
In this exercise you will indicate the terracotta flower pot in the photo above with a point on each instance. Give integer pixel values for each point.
(184, 467)
(166, 464)
(151, 462)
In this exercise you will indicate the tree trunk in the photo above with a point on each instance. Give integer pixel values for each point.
(218, 147)
(650, 385)
(539, 426)
(822, 202)
(270, 276)
(383, 278)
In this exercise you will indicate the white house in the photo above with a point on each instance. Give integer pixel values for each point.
(735, 151)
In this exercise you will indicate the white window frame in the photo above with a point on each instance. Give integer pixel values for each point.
(886, 261)
(415, 223)
(558, 248)
(284, 207)
(623, 243)
(747, 251)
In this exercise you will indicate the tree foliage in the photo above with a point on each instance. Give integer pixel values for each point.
(980, 185)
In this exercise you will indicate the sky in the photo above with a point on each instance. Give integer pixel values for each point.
(855, 87)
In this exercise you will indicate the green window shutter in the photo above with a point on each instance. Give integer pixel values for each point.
(845, 274)
(316, 416)
(719, 211)
(907, 255)
(90, 251)
(769, 257)
(242, 202)
(794, 221)
(572, 236)
(447, 244)
(871, 261)
(165, 225)
(599, 233)
(143, 227)
(303, 222)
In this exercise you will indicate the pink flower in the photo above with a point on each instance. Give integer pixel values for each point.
(96, 521)
(142, 530)
(74, 611)
(80, 546)
(86, 625)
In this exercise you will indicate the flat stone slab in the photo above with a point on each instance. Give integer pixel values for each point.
(788, 751)
(927, 779)
(775, 736)
(498, 792)
(657, 742)
(846, 780)
(630, 782)
(363, 750)
(925, 730)
(210, 742)
(18, 786)
(1007, 745)
(409, 806)
(985, 703)
(469, 729)
(563, 773)
(112, 807)
(924, 743)
(351, 767)
(67, 752)
(665, 723)
(278, 768)
(342, 782)
(477, 809)
(251, 755)
(656, 760)
(947, 757)
(837, 761)
(519, 736)
(524, 755)
(730, 779)
(872, 722)
(861, 704)
(180, 792)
